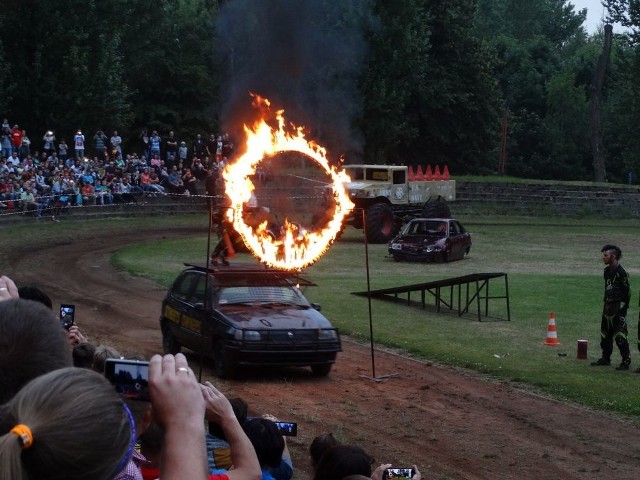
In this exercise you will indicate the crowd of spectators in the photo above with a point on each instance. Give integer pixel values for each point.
(50, 174)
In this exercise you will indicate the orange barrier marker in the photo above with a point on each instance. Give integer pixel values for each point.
(436, 173)
(429, 174)
(445, 173)
(419, 174)
(552, 334)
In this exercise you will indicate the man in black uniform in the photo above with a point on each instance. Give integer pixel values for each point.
(617, 295)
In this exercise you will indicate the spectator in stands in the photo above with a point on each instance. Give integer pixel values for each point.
(7, 147)
(48, 143)
(88, 194)
(199, 147)
(37, 441)
(16, 141)
(100, 145)
(189, 182)
(155, 141)
(171, 146)
(26, 145)
(174, 181)
(103, 194)
(78, 144)
(218, 452)
(116, 144)
(145, 144)
(63, 151)
(183, 152)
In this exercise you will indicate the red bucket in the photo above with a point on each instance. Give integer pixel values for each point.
(582, 349)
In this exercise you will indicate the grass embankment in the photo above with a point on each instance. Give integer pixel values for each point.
(551, 268)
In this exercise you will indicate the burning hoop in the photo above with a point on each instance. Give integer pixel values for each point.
(295, 248)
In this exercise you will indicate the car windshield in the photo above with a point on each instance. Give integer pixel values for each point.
(261, 295)
(430, 227)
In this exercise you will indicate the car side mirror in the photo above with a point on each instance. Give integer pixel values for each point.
(316, 306)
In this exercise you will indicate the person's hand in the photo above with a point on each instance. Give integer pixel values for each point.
(175, 393)
(217, 406)
(417, 475)
(8, 289)
(75, 336)
(377, 473)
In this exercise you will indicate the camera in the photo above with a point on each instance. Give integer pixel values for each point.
(67, 315)
(287, 429)
(402, 472)
(129, 377)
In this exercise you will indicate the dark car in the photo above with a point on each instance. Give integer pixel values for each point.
(247, 316)
(431, 239)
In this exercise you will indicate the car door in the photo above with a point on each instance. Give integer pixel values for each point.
(188, 300)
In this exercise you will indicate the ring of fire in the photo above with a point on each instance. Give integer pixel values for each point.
(297, 249)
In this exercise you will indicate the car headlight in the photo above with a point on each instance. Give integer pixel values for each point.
(248, 335)
(396, 246)
(430, 248)
(327, 335)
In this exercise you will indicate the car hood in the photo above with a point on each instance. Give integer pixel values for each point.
(276, 317)
(419, 240)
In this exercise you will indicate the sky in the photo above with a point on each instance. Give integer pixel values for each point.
(595, 12)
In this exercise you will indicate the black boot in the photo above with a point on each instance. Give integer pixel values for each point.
(601, 362)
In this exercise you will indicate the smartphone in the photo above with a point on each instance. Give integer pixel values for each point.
(287, 429)
(402, 472)
(129, 377)
(67, 315)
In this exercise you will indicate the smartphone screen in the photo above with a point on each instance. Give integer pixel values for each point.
(67, 315)
(287, 429)
(402, 472)
(129, 377)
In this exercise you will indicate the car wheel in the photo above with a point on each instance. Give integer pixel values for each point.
(223, 367)
(321, 370)
(169, 343)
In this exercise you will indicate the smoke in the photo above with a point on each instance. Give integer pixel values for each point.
(305, 56)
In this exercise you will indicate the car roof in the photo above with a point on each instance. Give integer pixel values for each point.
(247, 274)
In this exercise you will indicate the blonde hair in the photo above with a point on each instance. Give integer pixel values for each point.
(80, 428)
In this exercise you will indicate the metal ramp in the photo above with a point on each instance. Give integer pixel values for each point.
(472, 291)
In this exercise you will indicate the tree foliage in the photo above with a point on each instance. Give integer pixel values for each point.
(409, 81)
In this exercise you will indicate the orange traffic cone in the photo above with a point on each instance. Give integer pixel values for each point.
(419, 174)
(445, 173)
(436, 173)
(428, 173)
(552, 334)
(411, 175)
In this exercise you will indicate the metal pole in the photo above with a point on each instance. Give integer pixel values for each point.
(366, 254)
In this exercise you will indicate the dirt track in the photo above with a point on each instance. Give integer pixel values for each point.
(451, 424)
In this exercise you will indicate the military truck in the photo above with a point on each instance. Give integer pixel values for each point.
(390, 195)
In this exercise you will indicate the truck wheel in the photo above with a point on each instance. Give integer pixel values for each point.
(381, 226)
(321, 370)
(223, 367)
(438, 208)
(169, 342)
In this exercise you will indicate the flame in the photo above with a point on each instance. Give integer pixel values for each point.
(296, 247)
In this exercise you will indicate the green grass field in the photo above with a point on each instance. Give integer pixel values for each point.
(550, 268)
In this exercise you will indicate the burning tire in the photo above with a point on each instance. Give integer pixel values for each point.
(438, 208)
(381, 226)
